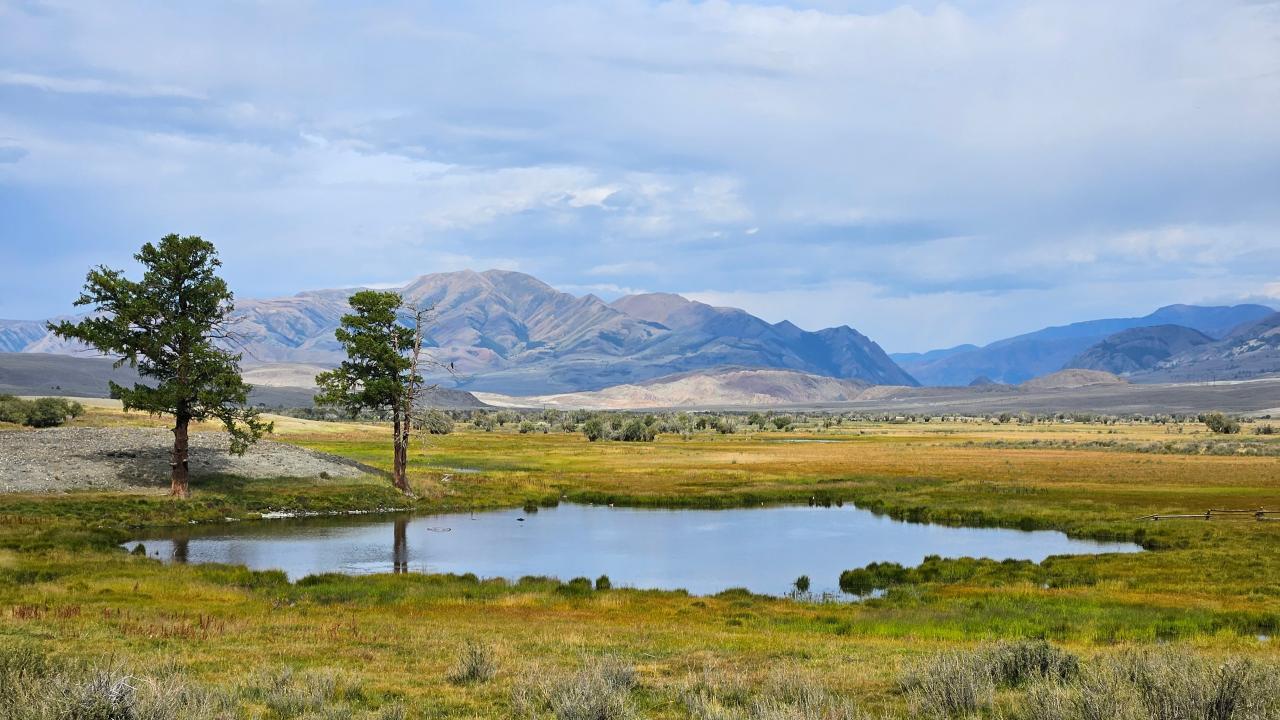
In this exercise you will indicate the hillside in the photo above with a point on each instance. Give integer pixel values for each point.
(1138, 349)
(510, 332)
(729, 387)
(278, 385)
(1020, 358)
(1251, 350)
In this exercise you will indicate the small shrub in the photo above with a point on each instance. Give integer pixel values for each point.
(802, 584)
(603, 583)
(600, 690)
(576, 587)
(476, 664)
(1014, 663)
(595, 430)
(951, 684)
(435, 422)
(637, 431)
(1219, 423)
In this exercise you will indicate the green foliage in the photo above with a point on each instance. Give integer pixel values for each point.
(637, 431)
(169, 326)
(782, 422)
(375, 374)
(603, 583)
(1221, 424)
(802, 584)
(435, 422)
(595, 430)
(39, 413)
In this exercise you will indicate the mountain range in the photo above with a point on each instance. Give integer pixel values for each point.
(1018, 359)
(510, 332)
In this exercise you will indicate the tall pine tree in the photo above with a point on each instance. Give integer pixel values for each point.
(171, 326)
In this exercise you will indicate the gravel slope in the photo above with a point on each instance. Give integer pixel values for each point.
(59, 459)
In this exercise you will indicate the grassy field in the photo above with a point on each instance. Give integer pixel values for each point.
(1210, 587)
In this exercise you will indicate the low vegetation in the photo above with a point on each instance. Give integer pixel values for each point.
(1118, 636)
(42, 412)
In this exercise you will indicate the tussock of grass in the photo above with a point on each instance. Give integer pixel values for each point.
(476, 663)
(600, 690)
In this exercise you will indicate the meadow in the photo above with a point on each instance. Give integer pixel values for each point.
(460, 646)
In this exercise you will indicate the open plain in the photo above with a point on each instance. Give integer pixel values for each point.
(393, 640)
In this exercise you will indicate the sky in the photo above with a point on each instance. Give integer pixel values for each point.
(927, 173)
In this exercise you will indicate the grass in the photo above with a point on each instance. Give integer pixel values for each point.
(458, 646)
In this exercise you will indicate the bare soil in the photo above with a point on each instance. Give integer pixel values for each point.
(61, 459)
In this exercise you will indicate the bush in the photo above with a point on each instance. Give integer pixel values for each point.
(603, 583)
(39, 413)
(1013, 664)
(1221, 424)
(595, 430)
(802, 584)
(950, 685)
(476, 664)
(436, 423)
(782, 422)
(601, 690)
(637, 431)
(526, 427)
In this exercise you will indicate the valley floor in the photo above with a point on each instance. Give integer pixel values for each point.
(1209, 588)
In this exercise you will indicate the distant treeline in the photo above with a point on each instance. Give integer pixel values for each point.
(640, 426)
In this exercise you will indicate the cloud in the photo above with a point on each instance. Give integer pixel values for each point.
(11, 152)
(918, 159)
(92, 86)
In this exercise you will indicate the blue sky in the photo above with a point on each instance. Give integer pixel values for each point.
(929, 173)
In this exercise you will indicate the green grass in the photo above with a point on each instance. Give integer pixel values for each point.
(1210, 588)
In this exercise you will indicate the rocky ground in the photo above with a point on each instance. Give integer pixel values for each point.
(59, 459)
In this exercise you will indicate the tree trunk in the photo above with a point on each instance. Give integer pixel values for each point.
(178, 470)
(399, 462)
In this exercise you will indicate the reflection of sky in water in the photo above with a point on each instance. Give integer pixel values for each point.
(703, 551)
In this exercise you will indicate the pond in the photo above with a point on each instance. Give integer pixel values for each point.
(703, 551)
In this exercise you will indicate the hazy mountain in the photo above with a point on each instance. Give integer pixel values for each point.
(1073, 378)
(17, 335)
(932, 355)
(1137, 349)
(510, 332)
(720, 387)
(1249, 351)
(1020, 358)
(703, 336)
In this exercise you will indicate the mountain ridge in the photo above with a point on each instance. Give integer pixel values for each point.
(1022, 357)
(510, 332)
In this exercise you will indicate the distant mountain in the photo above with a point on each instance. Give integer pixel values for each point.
(718, 387)
(1249, 351)
(1071, 379)
(510, 332)
(1138, 349)
(1017, 359)
(932, 355)
(17, 335)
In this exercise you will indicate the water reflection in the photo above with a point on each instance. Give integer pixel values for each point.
(400, 547)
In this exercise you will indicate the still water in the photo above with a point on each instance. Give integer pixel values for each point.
(703, 551)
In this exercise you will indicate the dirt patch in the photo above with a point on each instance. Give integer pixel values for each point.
(59, 459)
